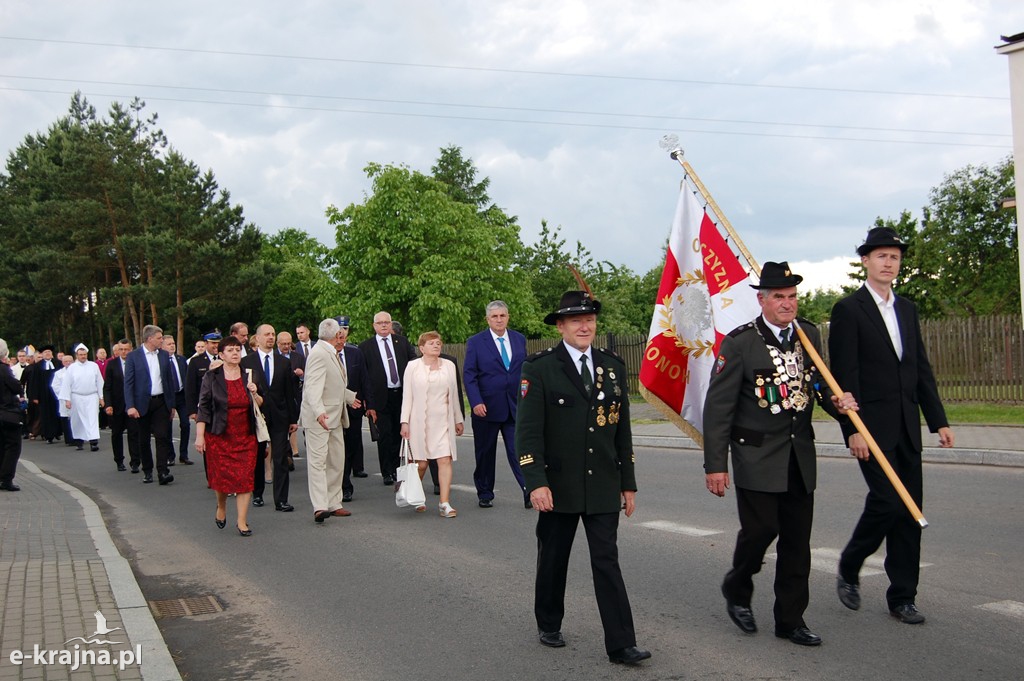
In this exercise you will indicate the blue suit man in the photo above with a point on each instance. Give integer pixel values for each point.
(494, 361)
(154, 412)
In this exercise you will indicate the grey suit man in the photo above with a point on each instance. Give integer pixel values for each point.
(759, 406)
(323, 414)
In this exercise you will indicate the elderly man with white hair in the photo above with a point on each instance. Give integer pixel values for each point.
(81, 392)
(325, 394)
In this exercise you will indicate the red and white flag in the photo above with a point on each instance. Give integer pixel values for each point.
(704, 294)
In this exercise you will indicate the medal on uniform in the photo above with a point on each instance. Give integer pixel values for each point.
(776, 409)
(762, 403)
(601, 420)
(600, 396)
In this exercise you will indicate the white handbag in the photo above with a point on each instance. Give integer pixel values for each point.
(409, 490)
(262, 432)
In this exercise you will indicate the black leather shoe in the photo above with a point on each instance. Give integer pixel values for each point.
(361, 474)
(321, 516)
(802, 636)
(135, 468)
(284, 506)
(9, 487)
(485, 503)
(171, 462)
(849, 594)
(121, 467)
(630, 655)
(147, 478)
(552, 639)
(186, 462)
(742, 616)
(165, 479)
(346, 497)
(388, 480)
(93, 447)
(78, 448)
(257, 501)
(907, 613)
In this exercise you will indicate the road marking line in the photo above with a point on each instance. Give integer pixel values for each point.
(827, 560)
(668, 526)
(1011, 608)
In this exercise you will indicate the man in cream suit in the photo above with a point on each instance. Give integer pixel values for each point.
(323, 416)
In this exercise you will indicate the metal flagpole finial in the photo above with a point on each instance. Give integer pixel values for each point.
(670, 143)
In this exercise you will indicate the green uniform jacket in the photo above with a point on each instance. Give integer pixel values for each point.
(761, 441)
(579, 446)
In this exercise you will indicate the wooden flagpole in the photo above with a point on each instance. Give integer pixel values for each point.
(876, 451)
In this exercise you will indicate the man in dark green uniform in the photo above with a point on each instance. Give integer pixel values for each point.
(576, 453)
(759, 404)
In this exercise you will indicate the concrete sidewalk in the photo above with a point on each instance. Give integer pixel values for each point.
(62, 568)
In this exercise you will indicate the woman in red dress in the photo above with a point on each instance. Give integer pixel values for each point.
(225, 433)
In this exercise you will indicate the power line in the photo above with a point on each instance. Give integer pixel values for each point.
(510, 108)
(483, 69)
(519, 121)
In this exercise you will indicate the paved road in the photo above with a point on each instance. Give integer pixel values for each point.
(391, 594)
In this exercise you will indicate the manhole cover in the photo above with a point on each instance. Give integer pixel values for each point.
(185, 607)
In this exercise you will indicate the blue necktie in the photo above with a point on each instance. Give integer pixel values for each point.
(266, 368)
(504, 354)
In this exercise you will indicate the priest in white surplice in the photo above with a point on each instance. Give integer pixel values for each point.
(81, 391)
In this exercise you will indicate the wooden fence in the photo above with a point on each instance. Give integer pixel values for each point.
(976, 359)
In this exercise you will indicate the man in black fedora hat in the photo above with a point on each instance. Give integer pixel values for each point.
(759, 406)
(576, 453)
(877, 353)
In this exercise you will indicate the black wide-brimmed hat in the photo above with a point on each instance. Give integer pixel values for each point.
(574, 303)
(777, 275)
(882, 237)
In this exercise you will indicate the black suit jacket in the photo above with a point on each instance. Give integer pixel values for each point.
(197, 369)
(113, 386)
(279, 403)
(378, 397)
(887, 389)
(358, 380)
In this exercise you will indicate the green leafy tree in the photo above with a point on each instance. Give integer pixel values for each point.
(110, 231)
(298, 275)
(431, 261)
(966, 253)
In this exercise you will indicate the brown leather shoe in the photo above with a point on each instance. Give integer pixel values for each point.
(341, 512)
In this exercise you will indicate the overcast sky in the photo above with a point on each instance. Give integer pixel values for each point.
(805, 119)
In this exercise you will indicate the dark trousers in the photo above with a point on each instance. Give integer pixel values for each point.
(155, 424)
(280, 450)
(119, 424)
(555, 534)
(184, 428)
(763, 517)
(65, 426)
(485, 442)
(10, 450)
(389, 423)
(353, 449)
(886, 517)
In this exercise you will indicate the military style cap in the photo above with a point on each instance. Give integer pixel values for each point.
(777, 275)
(343, 321)
(574, 303)
(882, 237)
(213, 336)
